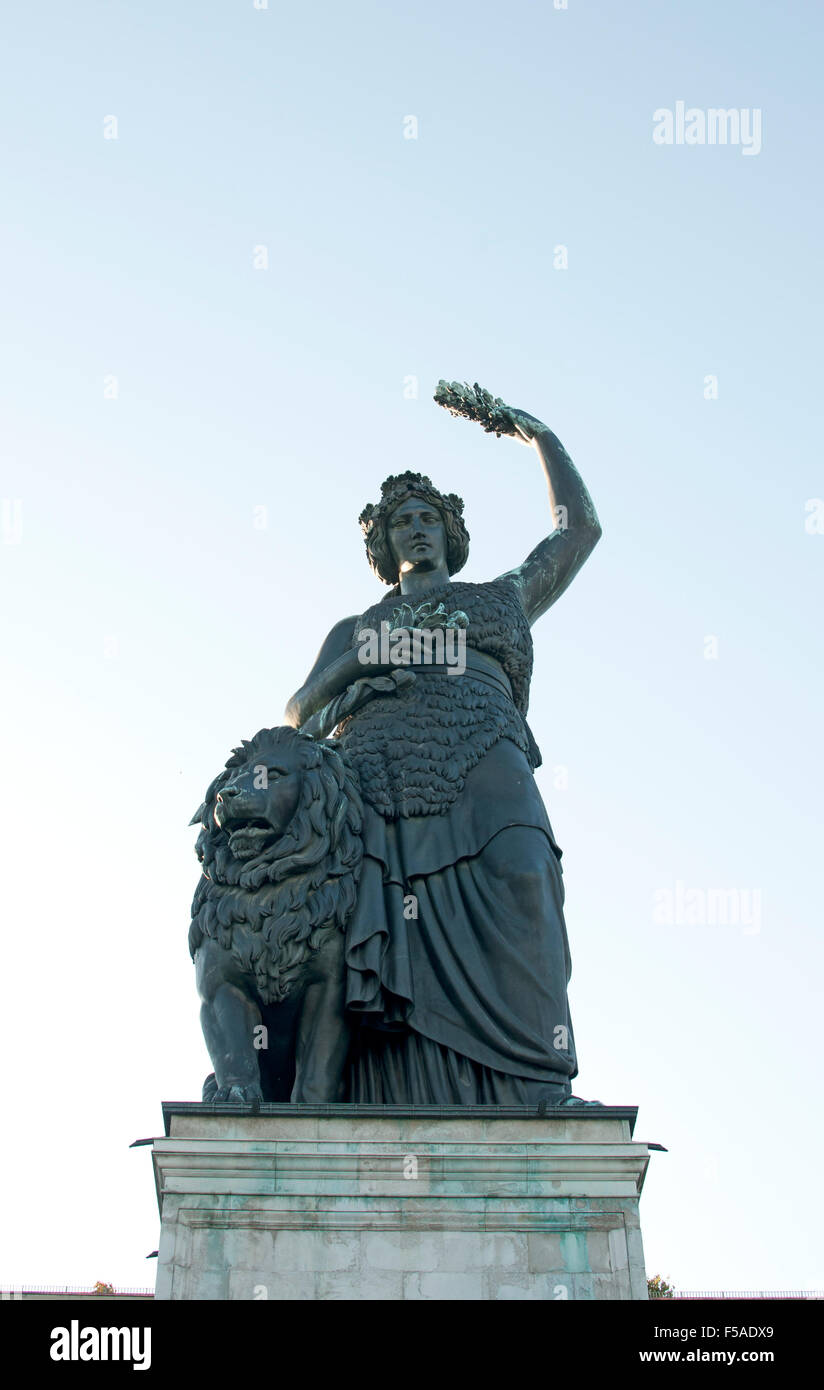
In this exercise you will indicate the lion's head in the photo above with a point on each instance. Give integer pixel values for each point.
(280, 848)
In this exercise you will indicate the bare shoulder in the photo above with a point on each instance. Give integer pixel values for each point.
(334, 646)
(541, 564)
(550, 568)
(336, 642)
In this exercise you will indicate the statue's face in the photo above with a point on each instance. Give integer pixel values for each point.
(416, 534)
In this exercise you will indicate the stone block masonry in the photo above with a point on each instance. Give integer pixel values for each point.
(399, 1203)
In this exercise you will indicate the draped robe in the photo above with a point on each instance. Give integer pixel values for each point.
(456, 954)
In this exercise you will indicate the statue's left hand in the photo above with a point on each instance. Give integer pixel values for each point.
(476, 403)
(525, 425)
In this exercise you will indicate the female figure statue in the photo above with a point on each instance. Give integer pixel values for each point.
(456, 954)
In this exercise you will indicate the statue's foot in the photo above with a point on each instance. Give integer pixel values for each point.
(577, 1100)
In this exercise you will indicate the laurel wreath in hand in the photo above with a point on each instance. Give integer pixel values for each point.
(476, 403)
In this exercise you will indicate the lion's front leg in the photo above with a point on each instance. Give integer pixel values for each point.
(323, 1032)
(228, 1017)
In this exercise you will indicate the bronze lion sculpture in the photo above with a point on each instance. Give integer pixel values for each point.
(280, 847)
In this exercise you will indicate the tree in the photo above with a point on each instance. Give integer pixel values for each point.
(658, 1287)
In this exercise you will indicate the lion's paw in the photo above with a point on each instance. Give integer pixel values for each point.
(237, 1095)
(230, 1095)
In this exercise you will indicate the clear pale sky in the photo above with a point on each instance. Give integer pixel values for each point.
(151, 619)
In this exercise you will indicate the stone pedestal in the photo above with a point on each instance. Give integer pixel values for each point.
(390, 1202)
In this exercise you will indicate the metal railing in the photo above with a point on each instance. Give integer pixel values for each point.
(738, 1293)
(17, 1291)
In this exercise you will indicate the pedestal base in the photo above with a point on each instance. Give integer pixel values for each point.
(390, 1202)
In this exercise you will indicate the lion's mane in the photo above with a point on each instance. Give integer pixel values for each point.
(273, 911)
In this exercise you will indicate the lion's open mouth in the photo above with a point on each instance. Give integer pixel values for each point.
(247, 838)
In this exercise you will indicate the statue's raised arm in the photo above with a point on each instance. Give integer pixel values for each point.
(553, 564)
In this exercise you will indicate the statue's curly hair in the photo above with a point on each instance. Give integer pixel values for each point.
(394, 490)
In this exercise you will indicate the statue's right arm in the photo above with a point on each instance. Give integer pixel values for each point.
(336, 667)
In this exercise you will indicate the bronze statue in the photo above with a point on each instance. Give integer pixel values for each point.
(456, 955)
(280, 847)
